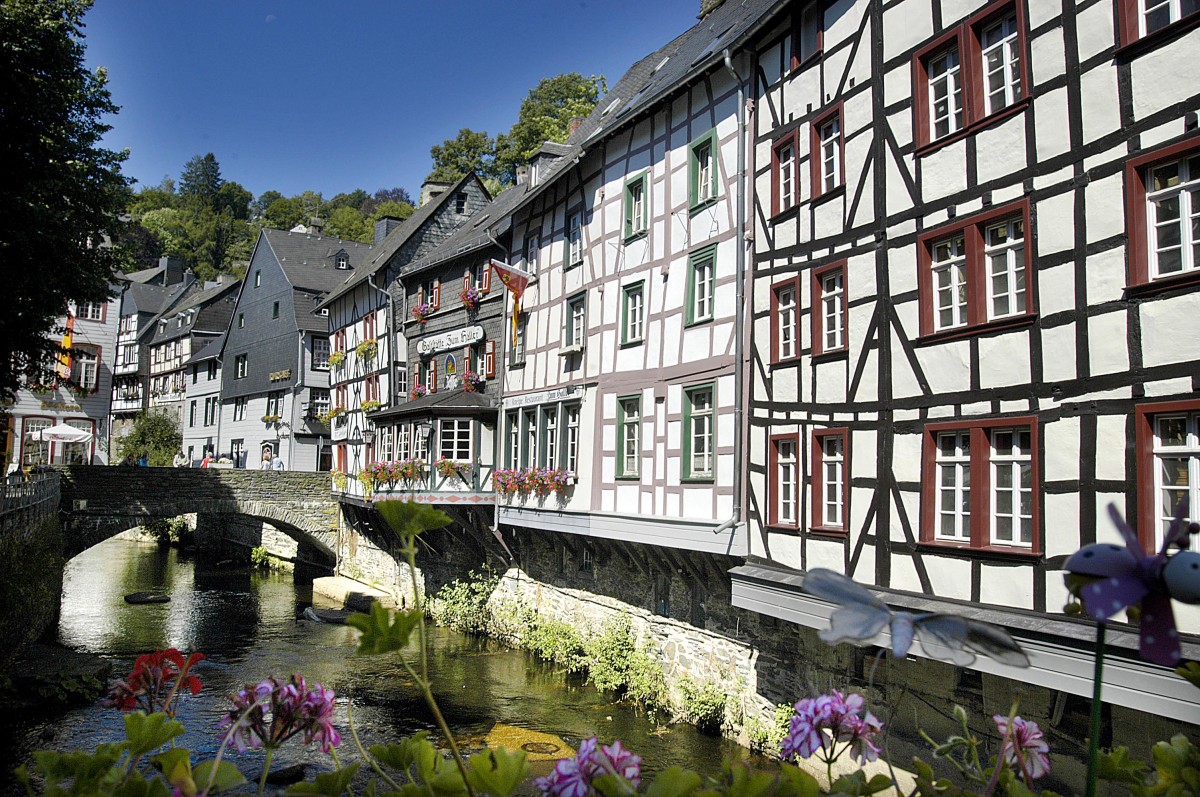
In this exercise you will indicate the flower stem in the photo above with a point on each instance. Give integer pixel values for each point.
(410, 554)
(370, 759)
(1097, 706)
(262, 781)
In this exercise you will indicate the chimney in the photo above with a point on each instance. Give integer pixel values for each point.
(430, 190)
(574, 125)
(383, 226)
(315, 225)
(172, 267)
(523, 174)
(709, 6)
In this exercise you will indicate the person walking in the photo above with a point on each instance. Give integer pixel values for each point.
(179, 460)
(277, 463)
(266, 460)
(144, 459)
(207, 459)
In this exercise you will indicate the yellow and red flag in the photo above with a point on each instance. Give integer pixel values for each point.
(516, 281)
(63, 367)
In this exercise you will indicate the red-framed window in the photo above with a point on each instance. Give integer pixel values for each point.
(371, 388)
(339, 341)
(1167, 442)
(979, 484)
(977, 271)
(1162, 214)
(830, 311)
(85, 366)
(785, 320)
(1151, 19)
(827, 159)
(831, 480)
(973, 74)
(785, 173)
(341, 396)
(785, 475)
(369, 325)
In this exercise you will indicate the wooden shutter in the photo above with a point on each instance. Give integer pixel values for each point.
(436, 301)
(416, 375)
(433, 375)
(467, 280)
(466, 363)
(487, 277)
(489, 359)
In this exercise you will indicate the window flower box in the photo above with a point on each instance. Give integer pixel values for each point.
(421, 312)
(337, 358)
(410, 469)
(269, 419)
(367, 349)
(472, 382)
(418, 391)
(339, 479)
(333, 412)
(455, 471)
(471, 297)
(370, 405)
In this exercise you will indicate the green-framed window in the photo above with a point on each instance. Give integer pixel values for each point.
(573, 239)
(575, 322)
(633, 312)
(637, 210)
(701, 285)
(702, 170)
(516, 353)
(629, 437)
(699, 432)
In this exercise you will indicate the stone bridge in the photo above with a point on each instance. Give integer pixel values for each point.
(99, 502)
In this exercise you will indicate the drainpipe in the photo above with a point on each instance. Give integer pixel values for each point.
(296, 388)
(220, 406)
(739, 408)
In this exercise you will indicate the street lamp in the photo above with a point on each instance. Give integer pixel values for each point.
(368, 435)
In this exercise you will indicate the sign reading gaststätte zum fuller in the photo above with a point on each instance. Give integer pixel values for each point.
(454, 339)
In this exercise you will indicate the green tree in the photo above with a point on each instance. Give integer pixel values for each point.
(140, 247)
(469, 151)
(545, 115)
(154, 432)
(169, 226)
(396, 210)
(284, 213)
(258, 208)
(348, 223)
(234, 198)
(355, 199)
(62, 191)
(201, 179)
(386, 195)
(148, 199)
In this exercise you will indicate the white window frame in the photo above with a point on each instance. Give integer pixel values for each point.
(575, 331)
(575, 238)
(85, 366)
(949, 281)
(787, 309)
(833, 465)
(454, 439)
(571, 442)
(1167, 497)
(241, 366)
(1186, 195)
(1002, 76)
(630, 434)
(701, 432)
(1006, 277)
(320, 354)
(787, 175)
(953, 474)
(533, 248)
(633, 311)
(833, 310)
(786, 481)
(945, 75)
(1016, 461)
(830, 135)
(1174, 9)
(704, 174)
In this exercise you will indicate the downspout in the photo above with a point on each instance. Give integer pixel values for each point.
(739, 408)
(293, 423)
(220, 404)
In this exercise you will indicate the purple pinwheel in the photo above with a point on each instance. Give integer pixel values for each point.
(1127, 576)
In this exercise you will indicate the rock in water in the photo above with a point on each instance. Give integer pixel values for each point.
(146, 597)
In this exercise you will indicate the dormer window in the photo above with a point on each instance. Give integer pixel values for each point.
(460, 202)
(342, 260)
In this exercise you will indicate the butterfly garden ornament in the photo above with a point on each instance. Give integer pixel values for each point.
(862, 616)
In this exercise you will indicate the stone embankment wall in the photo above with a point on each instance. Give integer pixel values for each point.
(31, 562)
(680, 607)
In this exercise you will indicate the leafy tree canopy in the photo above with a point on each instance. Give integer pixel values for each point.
(235, 199)
(545, 115)
(62, 190)
(154, 432)
(455, 157)
(201, 179)
(395, 210)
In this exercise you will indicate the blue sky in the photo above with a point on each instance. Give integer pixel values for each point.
(294, 95)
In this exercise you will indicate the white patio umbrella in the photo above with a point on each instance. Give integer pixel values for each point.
(61, 433)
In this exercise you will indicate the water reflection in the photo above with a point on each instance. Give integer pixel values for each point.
(246, 624)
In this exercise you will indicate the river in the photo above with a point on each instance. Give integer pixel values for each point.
(246, 625)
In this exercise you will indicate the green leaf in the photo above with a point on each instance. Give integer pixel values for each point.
(1190, 672)
(327, 784)
(137, 787)
(611, 785)
(857, 783)
(1117, 767)
(87, 770)
(674, 782)
(415, 755)
(227, 776)
(497, 772)
(380, 632)
(409, 519)
(795, 782)
(148, 733)
(448, 782)
(745, 783)
(176, 766)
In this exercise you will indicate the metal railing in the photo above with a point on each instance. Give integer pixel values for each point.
(32, 490)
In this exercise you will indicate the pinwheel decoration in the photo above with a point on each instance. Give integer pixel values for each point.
(863, 616)
(1117, 578)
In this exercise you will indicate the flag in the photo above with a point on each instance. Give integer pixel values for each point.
(516, 281)
(63, 367)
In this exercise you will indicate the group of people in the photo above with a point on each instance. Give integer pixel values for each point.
(142, 461)
(270, 460)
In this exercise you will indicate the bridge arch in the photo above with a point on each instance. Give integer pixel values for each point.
(99, 502)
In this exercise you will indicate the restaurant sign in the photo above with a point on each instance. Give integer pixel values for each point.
(455, 339)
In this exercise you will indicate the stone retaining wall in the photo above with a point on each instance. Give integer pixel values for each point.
(31, 562)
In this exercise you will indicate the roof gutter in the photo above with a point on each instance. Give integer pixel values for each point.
(739, 406)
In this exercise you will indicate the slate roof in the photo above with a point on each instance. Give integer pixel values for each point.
(308, 259)
(473, 234)
(397, 238)
(197, 301)
(152, 298)
(691, 54)
(141, 277)
(458, 401)
(213, 349)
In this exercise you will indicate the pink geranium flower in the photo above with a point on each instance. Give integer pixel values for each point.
(1024, 746)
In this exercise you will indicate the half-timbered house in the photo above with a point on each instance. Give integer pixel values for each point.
(367, 313)
(975, 265)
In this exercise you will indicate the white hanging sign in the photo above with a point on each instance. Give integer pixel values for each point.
(455, 339)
